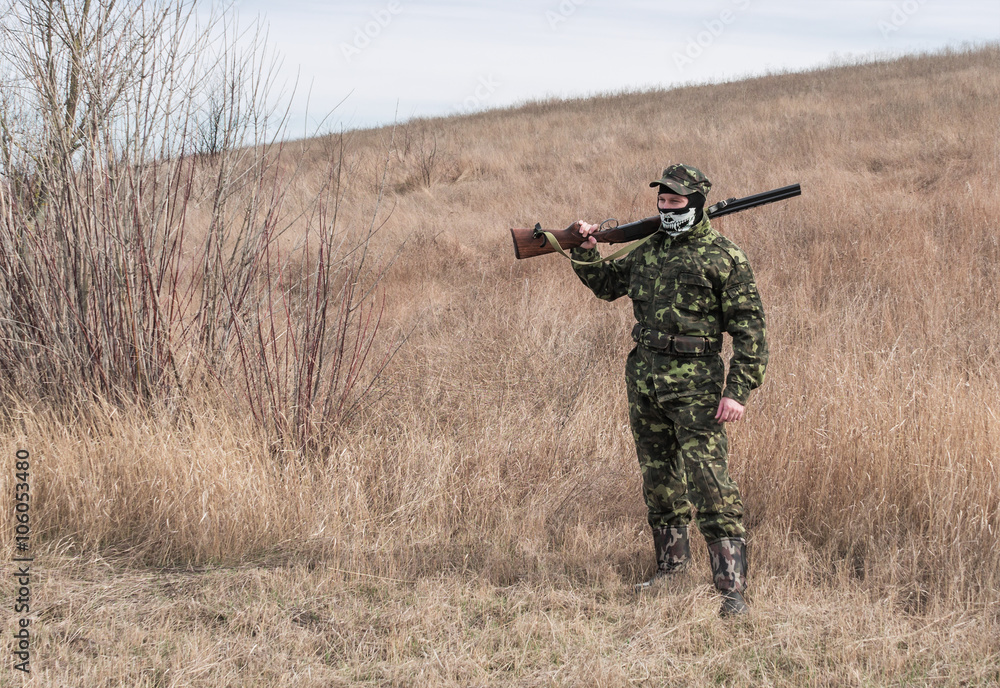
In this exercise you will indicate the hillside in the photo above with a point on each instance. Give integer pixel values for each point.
(480, 523)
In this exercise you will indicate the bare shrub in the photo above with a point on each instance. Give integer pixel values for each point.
(143, 200)
(423, 157)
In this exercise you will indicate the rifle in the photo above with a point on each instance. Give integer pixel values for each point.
(529, 243)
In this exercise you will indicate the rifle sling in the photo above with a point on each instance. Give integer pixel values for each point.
(554, 243)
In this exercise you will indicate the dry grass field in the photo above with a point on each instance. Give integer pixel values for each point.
(479, 522)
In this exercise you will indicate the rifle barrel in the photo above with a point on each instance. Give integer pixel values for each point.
(738, 204)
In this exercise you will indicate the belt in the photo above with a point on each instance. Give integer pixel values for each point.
(676, 344)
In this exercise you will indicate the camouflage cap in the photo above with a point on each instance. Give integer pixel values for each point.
(684, 180)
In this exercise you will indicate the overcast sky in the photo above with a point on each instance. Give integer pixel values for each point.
(439, 57)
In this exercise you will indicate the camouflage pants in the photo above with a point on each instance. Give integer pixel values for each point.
(682, 452)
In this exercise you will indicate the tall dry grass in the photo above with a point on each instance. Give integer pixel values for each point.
(498, 446)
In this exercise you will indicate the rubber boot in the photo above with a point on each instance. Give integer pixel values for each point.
(673, 553)
(729, 571)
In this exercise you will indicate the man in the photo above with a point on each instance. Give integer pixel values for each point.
(688, 285)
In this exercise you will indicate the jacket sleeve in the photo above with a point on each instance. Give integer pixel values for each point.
(608, 281)
(743, 319)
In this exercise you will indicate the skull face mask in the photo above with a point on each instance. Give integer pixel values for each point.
(676, 222)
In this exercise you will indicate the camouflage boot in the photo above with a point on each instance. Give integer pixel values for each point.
(729, 569)
(673, 552)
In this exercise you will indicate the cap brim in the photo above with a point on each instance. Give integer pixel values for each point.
(674, 186)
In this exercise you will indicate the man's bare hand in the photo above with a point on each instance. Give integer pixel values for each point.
(729, 410)
(586, 230)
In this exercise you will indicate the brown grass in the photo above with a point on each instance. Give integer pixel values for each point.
(481, 523)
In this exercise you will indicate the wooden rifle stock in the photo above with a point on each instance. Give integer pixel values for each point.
(529, 243)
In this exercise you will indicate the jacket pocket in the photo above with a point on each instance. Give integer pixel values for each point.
(642, 284)
(695, 293)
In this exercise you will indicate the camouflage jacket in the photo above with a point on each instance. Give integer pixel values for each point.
(699, 284)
